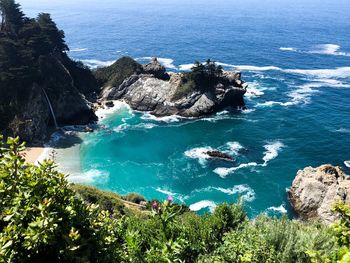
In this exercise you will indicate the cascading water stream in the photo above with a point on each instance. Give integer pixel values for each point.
(50, 107)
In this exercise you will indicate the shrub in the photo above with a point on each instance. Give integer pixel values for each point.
(115, 74)
(134, 198)
(42, 220)
(105, 200)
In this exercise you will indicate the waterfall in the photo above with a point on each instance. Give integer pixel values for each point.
(50, 107)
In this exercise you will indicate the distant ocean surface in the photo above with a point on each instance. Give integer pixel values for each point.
(295, 56)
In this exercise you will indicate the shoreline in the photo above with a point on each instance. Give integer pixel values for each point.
(33, 154)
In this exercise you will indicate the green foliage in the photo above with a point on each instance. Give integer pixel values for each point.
(202, 77)
(33, 51)
(41, 220)
(115, 74)
(342, 231)
(186, 87)
(134, 198)
(108, 201)
(45, 219)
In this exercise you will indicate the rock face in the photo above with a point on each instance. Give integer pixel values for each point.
(153, 90)
(33, 119)
(219, 155)
(315, 190)
(156, 69)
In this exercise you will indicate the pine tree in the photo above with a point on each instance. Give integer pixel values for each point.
(54, 36)
(12, 17)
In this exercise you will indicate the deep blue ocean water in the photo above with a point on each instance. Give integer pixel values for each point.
(295, 55)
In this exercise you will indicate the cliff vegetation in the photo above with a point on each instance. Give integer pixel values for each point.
(43, 218)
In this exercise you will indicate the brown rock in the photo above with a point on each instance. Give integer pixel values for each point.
(314, 192)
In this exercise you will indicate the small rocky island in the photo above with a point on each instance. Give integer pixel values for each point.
(204, 90)
(315, 191)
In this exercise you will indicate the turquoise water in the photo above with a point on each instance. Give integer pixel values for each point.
(295, 56)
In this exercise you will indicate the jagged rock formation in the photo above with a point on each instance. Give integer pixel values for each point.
(164, 94)
(219, 155)
(315, 190)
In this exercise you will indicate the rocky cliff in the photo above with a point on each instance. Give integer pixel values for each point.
(315, 190)
(153, 89)
(31, 118)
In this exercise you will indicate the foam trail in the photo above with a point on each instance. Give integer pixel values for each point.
(329, 49)
(288, 49)
(78, 49)
(277, 209)
(203, 204)
(166, 192)
(248, 193)
(223, 172)
(347, 163)
(272, 151)
(167, 119)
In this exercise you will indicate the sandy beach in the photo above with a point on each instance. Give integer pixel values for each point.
(32, 154)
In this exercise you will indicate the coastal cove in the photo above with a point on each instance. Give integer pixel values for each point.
(297, 100)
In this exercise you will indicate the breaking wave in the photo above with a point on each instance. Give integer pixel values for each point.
(203, 204)
(90, 177)
(94, 63)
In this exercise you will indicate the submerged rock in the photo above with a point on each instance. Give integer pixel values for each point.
(219, 155)
(315, 190)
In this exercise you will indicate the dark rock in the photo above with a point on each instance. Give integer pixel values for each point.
(156, 69)
(109, 104)
(219, 155)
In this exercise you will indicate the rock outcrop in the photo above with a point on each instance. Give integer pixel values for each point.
(315, 190)
(219, 155)
(156, 91)
(32, 119)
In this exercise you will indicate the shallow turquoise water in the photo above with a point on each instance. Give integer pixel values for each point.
(295, 56)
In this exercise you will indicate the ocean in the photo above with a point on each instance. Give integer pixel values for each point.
(295, 56)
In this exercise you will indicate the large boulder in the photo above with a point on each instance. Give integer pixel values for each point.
(315, 190)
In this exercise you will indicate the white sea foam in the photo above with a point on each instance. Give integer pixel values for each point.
(272, 150)
(89, 177)
(341, 72)
(277, 209)
(186, 67)
(203, 204)
(223, 172)
(288, 49)
(167, 119)
(121, 127)
(257, 68)
(343, 130)
(234, 147)
(329, 49)
(78, 49)
(166, 62)
(254, 90)
(347, 163)
(199, 153)
(104, 112)
(146, 125)
(94, 63)
(246, 193)
(166, 192)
